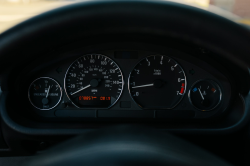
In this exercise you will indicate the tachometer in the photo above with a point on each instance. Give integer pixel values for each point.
(157, 82)
(93, 81)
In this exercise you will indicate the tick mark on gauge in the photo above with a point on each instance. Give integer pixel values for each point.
(175, 65)
(169, 60)
(161, 58)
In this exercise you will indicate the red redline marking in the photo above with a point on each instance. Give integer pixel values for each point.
(182, 88)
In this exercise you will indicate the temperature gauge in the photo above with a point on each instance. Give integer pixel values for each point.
(205, 95)
(44, 93)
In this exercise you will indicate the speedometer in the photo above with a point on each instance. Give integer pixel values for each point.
(93, 81)
(157, 82)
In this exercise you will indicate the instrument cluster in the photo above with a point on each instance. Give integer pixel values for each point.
(127, 80)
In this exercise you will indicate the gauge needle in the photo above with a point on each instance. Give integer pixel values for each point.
(201, 94)
(81, 89)
(47, 92)
(143, 86)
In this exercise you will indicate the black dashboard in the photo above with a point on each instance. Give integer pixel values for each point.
(83, 76)
(182, 89)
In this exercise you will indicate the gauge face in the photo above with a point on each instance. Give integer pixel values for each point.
(44, 93)
(157, 82)
(93, 81)
(205, 95)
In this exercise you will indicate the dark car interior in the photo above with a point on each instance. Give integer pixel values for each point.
(125, 83)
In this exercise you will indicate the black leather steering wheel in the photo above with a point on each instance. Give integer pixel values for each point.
(126, 145)
(106, 19)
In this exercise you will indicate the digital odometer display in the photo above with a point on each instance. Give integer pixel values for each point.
(104, 101)
(93, 81)
(157, 82)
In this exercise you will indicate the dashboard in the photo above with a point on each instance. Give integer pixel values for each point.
(138, 81)
(94, 65)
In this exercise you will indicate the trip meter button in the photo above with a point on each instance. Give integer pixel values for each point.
(157, 82)
(93, 81)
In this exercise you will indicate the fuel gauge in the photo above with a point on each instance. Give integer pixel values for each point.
(205, 95)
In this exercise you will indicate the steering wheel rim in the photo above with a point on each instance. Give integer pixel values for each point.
(83, 20)
(126, 145)
(106, 18)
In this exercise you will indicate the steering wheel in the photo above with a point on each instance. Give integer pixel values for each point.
(126, 145)
(105, 19)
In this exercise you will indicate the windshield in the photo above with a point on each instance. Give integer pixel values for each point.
(13, 12)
